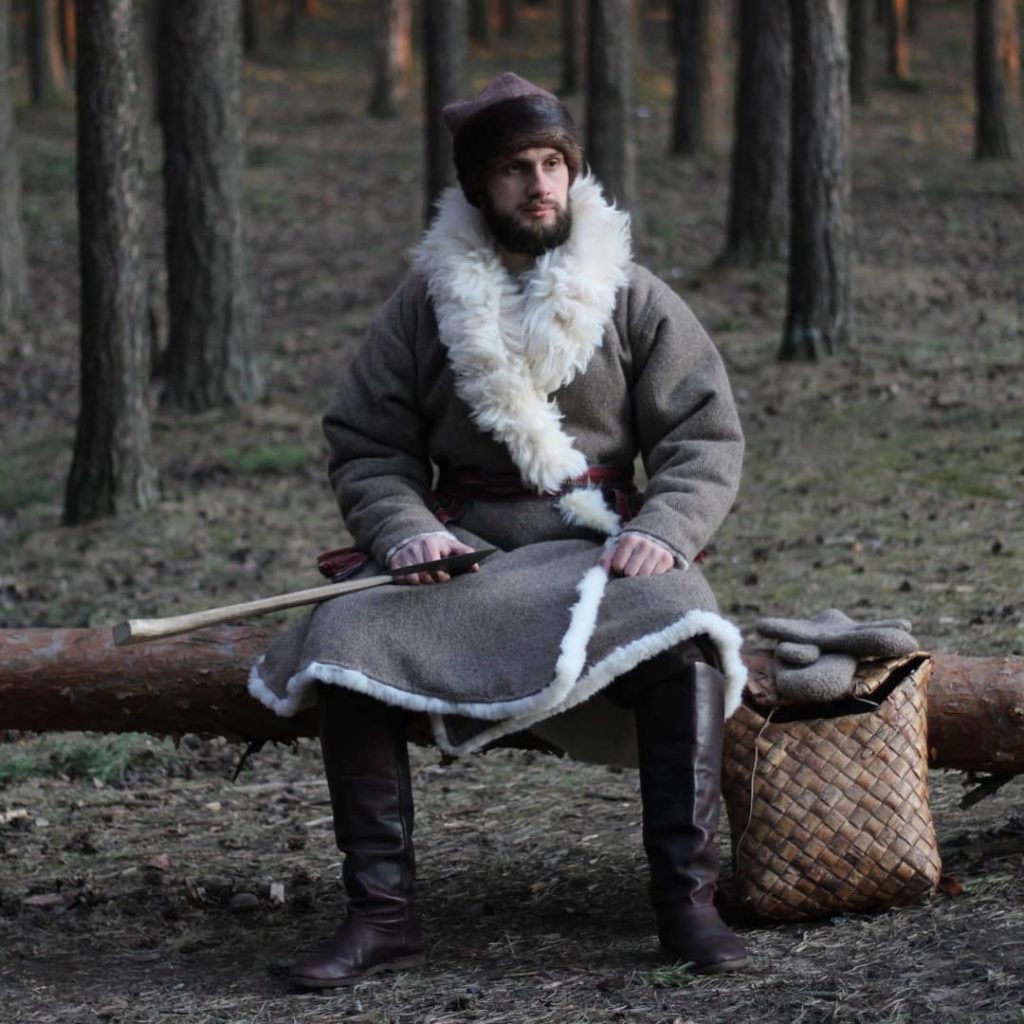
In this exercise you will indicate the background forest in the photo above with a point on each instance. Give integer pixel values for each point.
(137, 881)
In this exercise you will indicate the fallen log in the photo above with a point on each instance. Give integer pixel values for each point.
(76, 679)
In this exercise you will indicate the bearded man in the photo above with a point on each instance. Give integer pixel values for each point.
(499, 401)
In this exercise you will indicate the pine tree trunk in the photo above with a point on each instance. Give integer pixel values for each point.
(759, 191)
(76, 679)
(210, 300)
(701, 32)
(509, 18)
(47, 76)
(998, 130)
(574, 35)
(610, 145)
(252, 26)
(479, 13)
(444, 40)
(859, 34)
(13, 276)
(68, 44)
(896, 45)
(818, 300)
(392, 57)
(288, 31)
(112, 470)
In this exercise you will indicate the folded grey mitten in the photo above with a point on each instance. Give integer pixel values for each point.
(834, 632)
(797, 654)
(828, 678)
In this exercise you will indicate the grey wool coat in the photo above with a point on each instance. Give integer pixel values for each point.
(586, 360)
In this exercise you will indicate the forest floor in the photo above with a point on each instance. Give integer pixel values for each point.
(138, 883)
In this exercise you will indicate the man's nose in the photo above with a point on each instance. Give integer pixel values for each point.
(538, 184)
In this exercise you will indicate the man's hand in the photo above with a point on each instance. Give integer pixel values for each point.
(427, 549)
(636, 555)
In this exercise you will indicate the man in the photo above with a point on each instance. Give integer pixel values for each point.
(500, 400)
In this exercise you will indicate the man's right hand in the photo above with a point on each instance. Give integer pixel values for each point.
(428, 549)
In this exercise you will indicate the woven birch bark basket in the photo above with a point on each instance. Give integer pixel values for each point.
(828, 803)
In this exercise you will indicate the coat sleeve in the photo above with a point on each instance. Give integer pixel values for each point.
(689, 432)
(379, 464)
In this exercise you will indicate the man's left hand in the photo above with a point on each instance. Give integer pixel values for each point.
(636, 555)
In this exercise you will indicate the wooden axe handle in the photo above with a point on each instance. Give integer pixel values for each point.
(136, 631)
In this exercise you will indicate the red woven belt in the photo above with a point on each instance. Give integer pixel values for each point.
(466, 484)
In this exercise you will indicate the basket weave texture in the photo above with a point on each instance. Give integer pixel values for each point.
(830, 815)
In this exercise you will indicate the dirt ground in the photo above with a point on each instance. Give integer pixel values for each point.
(139, 883)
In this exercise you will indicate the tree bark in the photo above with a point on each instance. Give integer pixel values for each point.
(479, 14)
(444, 41)
(759, 188)
(288, 31)
(13, 275)
(897, 48)
(609, 101)
(998, 131)
(68, 44)
(859, 34)
(818, 299)
(112, 469)
(76, 679)
(48, 81)
(392, 57)
(252, 26)
(509, 18)
(210, 299)
(573, 19)
(701, 32)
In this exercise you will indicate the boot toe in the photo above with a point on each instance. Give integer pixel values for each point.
(697, 935)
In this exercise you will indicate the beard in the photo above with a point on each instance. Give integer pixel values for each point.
(527, 239)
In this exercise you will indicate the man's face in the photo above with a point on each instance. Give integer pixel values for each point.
(526, 201)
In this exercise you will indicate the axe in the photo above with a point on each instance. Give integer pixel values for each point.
(136, 631)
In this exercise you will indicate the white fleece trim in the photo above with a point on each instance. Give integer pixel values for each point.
(513, 342)
(566, 690)
(300, 690)
(585, 506)
(725, 635)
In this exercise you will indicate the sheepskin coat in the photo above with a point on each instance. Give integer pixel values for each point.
(586, 359)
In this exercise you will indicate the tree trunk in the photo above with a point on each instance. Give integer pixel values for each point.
(574, 36)
(759, 188)
(210, 300)
(112, 470)
(444, 41)
(998, 132)
(47, 76)
(701, 32)
(509, 18)
(392, 57)
(859, 33)
(609, 102)
(818, 300)
(479, 13)
(68, 44)
(294, 12)
(76, 679)
(252, 26)
(896, 46)
(13, 276)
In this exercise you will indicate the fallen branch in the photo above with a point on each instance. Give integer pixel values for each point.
(76, 679)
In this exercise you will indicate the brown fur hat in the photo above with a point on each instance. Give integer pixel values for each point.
(508, 115)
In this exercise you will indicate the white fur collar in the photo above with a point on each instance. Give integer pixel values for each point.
(513, 343)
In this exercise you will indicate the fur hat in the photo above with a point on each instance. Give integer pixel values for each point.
(509, 114)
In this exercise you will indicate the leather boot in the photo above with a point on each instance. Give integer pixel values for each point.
(367, 765)
(680, 721)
